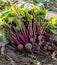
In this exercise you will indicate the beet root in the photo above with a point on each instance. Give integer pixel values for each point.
(28, 47)
(20, 47)
(32, 40)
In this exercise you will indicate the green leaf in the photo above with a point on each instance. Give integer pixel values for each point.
(22, 6)
(1, 36)
(54, 31)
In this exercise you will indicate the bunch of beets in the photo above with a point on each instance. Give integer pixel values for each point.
(32, 38)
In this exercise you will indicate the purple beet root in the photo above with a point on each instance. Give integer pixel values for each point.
(20, 47)
(28, 47)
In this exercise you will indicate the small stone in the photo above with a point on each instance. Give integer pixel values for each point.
(38, 63)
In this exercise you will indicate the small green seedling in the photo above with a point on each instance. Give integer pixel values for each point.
(1, 37)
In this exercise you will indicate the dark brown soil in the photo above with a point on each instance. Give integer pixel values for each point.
(15, 58)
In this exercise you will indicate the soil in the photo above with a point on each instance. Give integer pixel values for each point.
(13, 57)
(54, 4)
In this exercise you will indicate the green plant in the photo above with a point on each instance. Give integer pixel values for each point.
(26, 28)
(33, 39)
(14, 13)
(3, 4)
(53, 25)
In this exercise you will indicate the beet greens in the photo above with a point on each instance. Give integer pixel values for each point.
(32, 38)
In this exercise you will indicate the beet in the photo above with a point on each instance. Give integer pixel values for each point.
(39, 37)
(28, 46)
(38, 47)
(32, 40)
(49, 47)
(33, 33)
(40, 43)
(20, 47)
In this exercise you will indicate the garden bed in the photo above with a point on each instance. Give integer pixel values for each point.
(12, 57)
